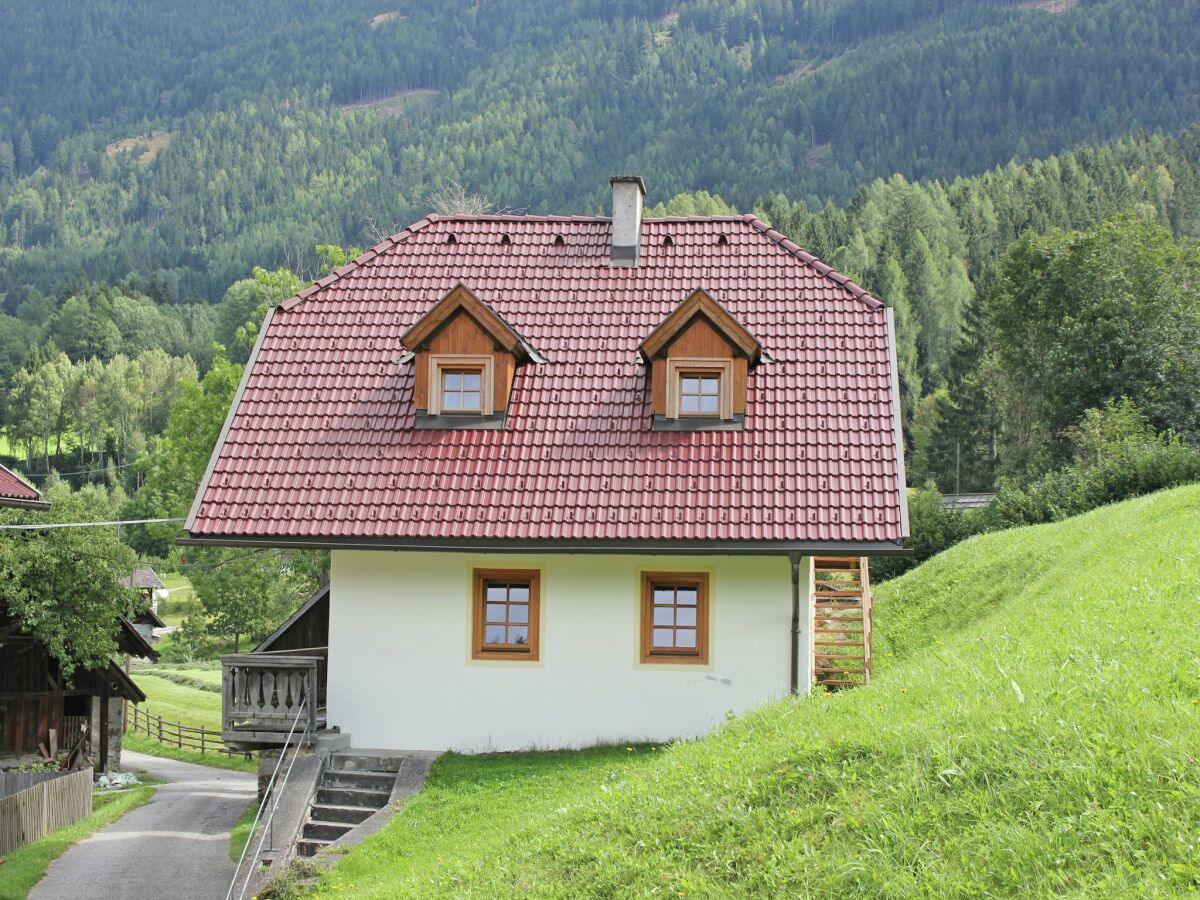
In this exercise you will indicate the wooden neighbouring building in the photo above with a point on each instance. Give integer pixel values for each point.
(46, 715)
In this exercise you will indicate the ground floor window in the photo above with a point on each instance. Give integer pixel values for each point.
(506, 614)
(674, 617)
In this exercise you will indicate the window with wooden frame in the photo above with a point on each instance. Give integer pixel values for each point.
(674, 617)
(700, 388)
(505, 613)
(460, 385)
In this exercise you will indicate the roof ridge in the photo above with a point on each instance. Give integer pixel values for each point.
(857, 291)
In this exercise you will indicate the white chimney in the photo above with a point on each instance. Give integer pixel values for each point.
(628, 193)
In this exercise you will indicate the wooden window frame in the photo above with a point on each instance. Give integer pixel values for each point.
(699, 580)
(479, 650)
(681, 367)
(485, 365)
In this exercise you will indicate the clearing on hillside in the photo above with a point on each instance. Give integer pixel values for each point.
(1032, 731)
(395, 104)
(384, 17)
(146, 146)
(1050, 6)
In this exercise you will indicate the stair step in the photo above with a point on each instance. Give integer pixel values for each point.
(309, 847)
(837, 656)
(837, 643)
(837, 670)
(364, 799)
(369, 762)
(359, 778)
(325, 831)
(352, 815)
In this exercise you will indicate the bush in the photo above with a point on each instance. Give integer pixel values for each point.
(1117, 456)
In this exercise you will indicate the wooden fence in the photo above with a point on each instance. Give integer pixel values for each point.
(175, 734)
(35, 812)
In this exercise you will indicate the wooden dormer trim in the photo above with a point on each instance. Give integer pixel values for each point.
(463, 336)
(701, 304)
(460, 299)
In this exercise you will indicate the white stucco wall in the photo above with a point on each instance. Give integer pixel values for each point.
(401, 673)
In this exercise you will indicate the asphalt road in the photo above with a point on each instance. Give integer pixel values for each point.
(176, 846)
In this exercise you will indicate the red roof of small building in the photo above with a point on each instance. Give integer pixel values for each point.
(319, 447)
(15, 492)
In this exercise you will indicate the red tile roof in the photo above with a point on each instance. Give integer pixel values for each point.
(13, 488)
(319, 447)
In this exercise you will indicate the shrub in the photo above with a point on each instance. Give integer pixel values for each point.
(1117, 456)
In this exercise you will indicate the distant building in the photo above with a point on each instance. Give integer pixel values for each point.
(961, 502)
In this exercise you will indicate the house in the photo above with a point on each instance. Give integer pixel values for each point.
(149, 588)
(44, 714)
(572, 472)
(16, 493)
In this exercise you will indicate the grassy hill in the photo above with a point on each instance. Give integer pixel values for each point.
(1033, 731)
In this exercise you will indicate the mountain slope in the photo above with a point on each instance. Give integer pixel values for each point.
(1032, 732)
(535, 104)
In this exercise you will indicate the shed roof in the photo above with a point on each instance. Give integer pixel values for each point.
(143, 578)
(319, 447)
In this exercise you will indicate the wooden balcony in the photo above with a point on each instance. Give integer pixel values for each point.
(263, 693)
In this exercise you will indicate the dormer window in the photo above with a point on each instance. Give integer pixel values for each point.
(465, 358)
(700, 388)
(463, 385)
(699, 360)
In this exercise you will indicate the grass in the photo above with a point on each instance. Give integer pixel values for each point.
(1032, 731)
(187, 705)
(179, 702)
(139, 743)
(241, 831)
(470, 808)
(25, 867)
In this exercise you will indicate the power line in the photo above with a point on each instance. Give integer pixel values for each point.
(47, 525)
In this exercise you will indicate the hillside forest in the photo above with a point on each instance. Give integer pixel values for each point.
(1022, 186)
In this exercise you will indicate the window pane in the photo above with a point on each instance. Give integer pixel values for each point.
(689, 403)
(709, 404)
(664, 637)
(497, 592)
(470, 381)
(493, 634)
(710, 386)
(664, 615)
(686, 596)
(452, 401)
(664, 595)
(689, 385)
(685, 637)
(685, 615)
(518, 613)
(495, 612)
(519, 593)
(518, 634)
(470, 400)
(453, 381)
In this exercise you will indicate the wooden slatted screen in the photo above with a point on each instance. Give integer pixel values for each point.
(841, 622)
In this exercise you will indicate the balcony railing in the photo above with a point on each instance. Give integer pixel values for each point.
(262, 692)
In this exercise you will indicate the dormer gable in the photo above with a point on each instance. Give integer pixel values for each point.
(464, 358)
(699, 359)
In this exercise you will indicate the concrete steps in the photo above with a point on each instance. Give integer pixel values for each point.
(352, 788)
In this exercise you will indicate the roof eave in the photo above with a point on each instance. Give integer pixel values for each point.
(522, 545)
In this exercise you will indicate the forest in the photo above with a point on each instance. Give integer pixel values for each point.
(213, 150)
(1022, 187)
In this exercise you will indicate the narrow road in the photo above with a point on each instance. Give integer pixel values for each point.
(177, 845)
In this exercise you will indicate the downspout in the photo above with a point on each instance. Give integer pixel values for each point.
(795, 561)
